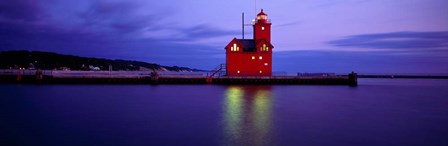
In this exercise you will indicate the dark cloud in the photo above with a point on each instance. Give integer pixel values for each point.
(204, 31)
(118, 16)
(396, 40)
(287, 24)
(361, 62)
(111, 30)
(115, 30)
(23, 10)
(162, 51)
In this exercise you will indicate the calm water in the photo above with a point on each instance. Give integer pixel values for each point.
(377, 112)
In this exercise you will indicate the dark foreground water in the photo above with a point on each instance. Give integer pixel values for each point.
(378, 112)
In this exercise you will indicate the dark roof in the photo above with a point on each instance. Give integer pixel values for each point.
(248, 45)
(262, 13)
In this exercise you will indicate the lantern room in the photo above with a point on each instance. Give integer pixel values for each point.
(262, 17)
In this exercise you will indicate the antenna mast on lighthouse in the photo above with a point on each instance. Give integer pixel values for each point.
(242, 24)
(242, 19)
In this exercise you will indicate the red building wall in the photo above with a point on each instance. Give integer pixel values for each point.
(243, 62)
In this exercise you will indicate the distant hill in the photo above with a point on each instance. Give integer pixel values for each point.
(51, 61)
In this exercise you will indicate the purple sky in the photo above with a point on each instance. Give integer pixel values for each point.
(367, 36)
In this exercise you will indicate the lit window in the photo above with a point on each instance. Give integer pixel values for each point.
(262, 28)
(265, 64)
(264, 48)
(260, 57)
(253, 57)
(235, 48)
(237, 71)
(261, 71)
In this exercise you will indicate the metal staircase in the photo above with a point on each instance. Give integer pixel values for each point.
(219, 71)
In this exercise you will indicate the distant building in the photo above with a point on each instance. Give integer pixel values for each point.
(251, 57)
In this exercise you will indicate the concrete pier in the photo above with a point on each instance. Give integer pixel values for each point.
(78, 77)
(45, 79)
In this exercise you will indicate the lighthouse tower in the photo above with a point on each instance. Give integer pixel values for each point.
(251, 57)
(262, 27)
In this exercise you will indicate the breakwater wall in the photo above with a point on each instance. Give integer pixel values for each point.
(182, 80)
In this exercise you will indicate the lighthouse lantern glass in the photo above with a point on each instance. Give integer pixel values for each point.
(264, 17)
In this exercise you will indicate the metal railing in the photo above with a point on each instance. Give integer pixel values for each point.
(219, 71)
(24, 72)
(256, 21)
(98, 74)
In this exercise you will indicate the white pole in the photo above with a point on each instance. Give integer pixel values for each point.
(255, 8)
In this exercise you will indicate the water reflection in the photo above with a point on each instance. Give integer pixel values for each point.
(247, 115)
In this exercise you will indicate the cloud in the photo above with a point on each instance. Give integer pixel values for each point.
(23, 10)
(287, 24)
(395, 40)
(206, 31)
(96, 21)
(119, 16)
(131, 19)
(111, 30)
(361, 62)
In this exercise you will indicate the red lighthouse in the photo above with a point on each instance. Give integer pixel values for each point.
(251, 57)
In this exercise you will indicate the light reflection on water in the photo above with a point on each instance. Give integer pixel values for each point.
(247, 115)
(410, 112)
